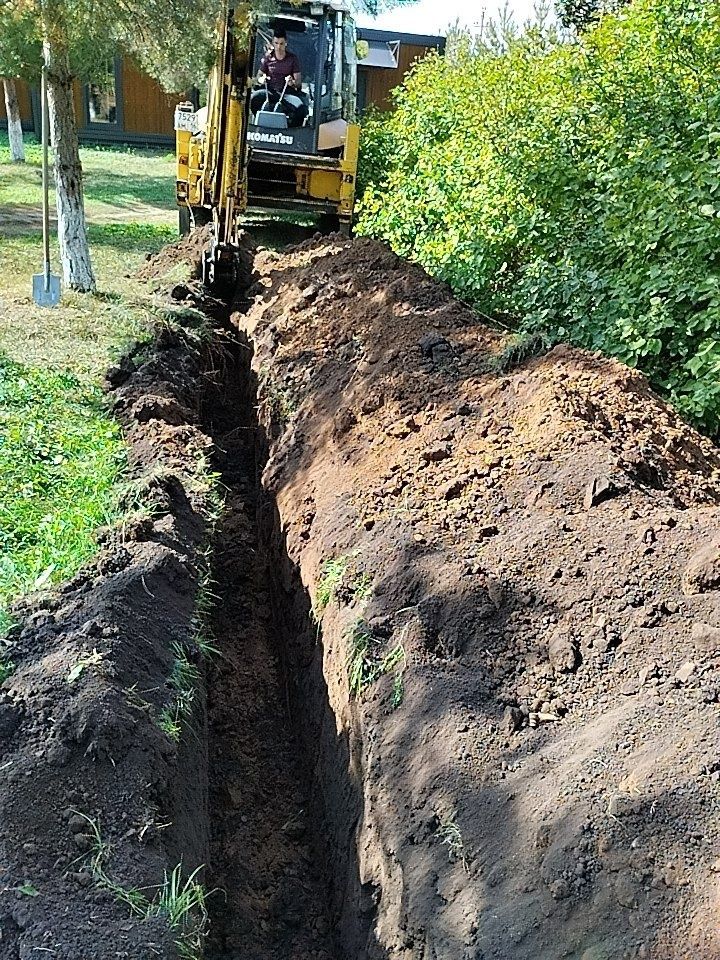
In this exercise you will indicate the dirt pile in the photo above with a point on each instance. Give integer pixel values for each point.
(186, 251)
(465, 644)
(516, 579)
(144, 737)
(101, 796)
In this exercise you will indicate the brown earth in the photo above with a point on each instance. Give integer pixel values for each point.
(529, 576)
(187, 250)
(100, 800)
(521, 573)
(89, 778)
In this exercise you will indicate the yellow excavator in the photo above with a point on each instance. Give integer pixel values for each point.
(262, 143)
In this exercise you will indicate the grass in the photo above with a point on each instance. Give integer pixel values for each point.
(132, 183)
(336, 575)
(28, 889)
(366, 663)
(519, 348)
(449, 834)
(398, 691)
(332, 574)
(180, 900)
(279, 398)
(61, 454)
(82, 663)
(7, 668)
(60, 458)
(183, 681)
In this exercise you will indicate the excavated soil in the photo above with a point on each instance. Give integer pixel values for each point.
(453, 636)
(187, 250)
(522, 573)
(91, 787)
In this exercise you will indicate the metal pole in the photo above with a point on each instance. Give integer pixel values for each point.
(45, 180)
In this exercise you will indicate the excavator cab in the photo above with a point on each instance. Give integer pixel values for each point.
(269, 145)
(303, 144)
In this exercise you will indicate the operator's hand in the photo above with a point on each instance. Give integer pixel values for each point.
(263, 77)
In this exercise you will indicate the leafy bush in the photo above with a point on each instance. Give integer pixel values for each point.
(573, 187)
(377, 141)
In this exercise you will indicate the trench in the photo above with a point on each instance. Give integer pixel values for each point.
(283, 803)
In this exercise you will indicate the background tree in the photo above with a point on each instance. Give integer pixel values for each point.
(12, 111)
(77, 39)
(582, 14)
(18, 51)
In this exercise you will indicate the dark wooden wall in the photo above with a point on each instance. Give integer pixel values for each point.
(145, 111)
(146, 106)
(380, 82)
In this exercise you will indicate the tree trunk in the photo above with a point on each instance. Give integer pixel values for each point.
(72, 229)
(17, 149)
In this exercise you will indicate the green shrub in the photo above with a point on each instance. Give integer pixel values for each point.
(573, 187)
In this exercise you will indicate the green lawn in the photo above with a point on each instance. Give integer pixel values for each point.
(61, 455)
(119, 183)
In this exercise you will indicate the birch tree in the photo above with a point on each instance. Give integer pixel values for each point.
(17, 50)
(12, 112)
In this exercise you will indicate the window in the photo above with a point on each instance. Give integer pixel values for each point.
(101, 97)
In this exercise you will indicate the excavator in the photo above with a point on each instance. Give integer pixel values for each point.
(254, 146)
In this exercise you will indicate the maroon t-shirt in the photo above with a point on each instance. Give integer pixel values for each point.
(279, 70)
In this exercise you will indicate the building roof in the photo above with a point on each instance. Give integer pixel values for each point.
(390, 36)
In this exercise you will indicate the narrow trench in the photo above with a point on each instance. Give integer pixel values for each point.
(271, 900)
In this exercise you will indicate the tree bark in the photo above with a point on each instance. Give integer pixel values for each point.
(72, 228)
(17, 148)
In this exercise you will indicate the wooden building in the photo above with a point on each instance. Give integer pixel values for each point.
(130, 107)
(389, 58)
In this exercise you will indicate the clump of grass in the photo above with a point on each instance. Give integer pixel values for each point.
(180, 900)
(7, 668)
(518, 349)
(170, 723)
(279, 398)
(336, 578)
(398, 691)
(449, 834)
(28, 889)
(183, 680)
(332, 574)
(60, 458)
(82, 663)
(184, 673)
(366, 663)
(362, 587)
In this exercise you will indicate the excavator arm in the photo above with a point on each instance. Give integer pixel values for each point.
(211, 146)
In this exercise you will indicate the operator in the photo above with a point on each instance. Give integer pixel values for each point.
(280, 72)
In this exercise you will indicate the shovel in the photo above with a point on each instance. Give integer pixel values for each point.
(46, 287)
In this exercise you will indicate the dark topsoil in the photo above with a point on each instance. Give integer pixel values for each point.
(526, 582)
(529, 582)
(80, 739)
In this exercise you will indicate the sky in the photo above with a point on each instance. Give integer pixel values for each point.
(434, 16)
